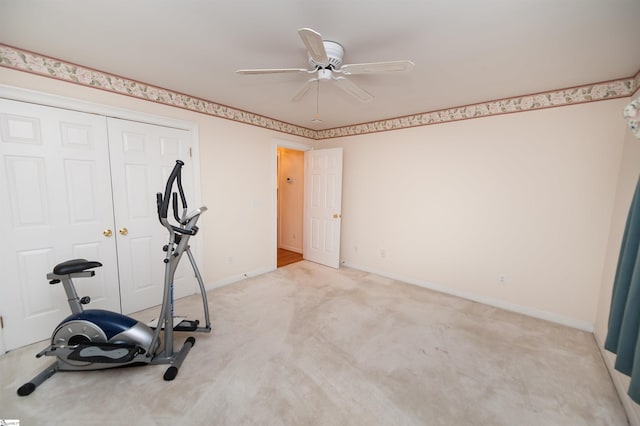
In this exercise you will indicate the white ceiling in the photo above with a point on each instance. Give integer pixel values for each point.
(465, 51)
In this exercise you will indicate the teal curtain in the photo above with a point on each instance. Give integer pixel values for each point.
(624, 317)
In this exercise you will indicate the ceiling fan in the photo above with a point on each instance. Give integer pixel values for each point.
(325, 58)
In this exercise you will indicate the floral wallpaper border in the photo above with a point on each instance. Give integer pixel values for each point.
(11, 57)
(575, 95)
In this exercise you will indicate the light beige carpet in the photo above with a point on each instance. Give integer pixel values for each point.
(309, 345)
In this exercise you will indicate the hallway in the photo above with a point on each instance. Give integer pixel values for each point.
(286, 257)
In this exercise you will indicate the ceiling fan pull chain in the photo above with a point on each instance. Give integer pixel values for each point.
(317, 119)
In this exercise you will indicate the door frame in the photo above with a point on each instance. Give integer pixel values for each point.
(280, 143)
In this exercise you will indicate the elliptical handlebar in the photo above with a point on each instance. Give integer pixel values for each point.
(163, 201)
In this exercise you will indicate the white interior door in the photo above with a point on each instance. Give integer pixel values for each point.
(142, 157)
(56, 202)
(323, 206)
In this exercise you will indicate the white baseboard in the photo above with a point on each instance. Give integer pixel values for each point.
(631, 408)
(239, 277)
(525, 310)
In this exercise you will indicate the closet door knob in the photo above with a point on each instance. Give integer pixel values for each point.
(107, 233)
(124, 231)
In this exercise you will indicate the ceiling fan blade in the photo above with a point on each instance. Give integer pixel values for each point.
(304, 89)
(353, 89)
(313, 42)
(377, 67)
(274, 71)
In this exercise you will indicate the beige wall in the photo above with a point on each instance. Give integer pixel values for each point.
(238, 178)
(290, 199)
(455, 206)
(627, 180)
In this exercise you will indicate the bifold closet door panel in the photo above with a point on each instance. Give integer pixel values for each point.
(142, 157)
(55, 188)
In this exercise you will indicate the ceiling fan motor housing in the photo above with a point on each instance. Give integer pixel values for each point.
(335, 53)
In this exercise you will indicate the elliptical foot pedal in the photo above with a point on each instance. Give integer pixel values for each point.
(187, 325)
(105, 353)
(176, 319)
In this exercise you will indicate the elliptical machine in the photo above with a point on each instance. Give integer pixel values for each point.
(95, 339)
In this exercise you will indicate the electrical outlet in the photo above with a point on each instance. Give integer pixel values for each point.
(502, 279)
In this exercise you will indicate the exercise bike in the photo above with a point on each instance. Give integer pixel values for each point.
(95, 339)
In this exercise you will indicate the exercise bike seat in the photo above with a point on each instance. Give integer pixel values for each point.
(75, 265)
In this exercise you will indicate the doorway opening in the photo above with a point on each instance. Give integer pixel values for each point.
(290, 201)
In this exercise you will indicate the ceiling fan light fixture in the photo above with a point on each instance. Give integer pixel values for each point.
(324, 74)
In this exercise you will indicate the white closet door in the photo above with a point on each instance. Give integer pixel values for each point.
(56, 203)
(142, 157)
